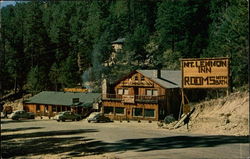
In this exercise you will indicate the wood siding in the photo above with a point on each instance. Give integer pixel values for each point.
(47, 110)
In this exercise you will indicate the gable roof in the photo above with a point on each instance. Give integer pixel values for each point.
(63, 98)
(168, 78)
(118, 41)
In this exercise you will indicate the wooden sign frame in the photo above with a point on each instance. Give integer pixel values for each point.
(205, 72)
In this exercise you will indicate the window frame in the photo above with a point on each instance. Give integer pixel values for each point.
(112, 112)
(122, 91)
(151, 92)
(136, 78)
(138, 115)
(120, 108)
(149, 116)
(38, 108)
(54, 108)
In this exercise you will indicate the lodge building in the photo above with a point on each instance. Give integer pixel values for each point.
(143, 94)
(50, 103)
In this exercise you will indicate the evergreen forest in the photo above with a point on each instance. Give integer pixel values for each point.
(50, 45)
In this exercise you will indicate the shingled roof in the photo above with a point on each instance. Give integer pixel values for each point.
(63, 98)
(119, 41)
(168, 78)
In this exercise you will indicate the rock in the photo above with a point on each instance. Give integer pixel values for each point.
(169, 119)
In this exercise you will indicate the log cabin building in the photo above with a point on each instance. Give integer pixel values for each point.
(143, 94)
(50, 103)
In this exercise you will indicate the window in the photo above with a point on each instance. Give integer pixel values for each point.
(108, 110)
(122, 91)
(53, 108)
(125, 91)
(137, 112)
(46, 108)
(63, 108)
(142, 78)
(37, 107)
(149, 112)
(119, 110)
(136, 78)
(148, 92)
(155, 93)
(151, 92)
(59, 108)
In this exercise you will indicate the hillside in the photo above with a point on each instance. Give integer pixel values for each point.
(51, 45)
(223, 116)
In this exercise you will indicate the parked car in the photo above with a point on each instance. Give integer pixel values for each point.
(20, 114)
(67, 115)
(98, 117)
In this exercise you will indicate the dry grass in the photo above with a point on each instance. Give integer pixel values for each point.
(223, 116)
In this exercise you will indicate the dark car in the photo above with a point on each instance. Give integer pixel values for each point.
(67, 115)
(98, 117)
(21, 114)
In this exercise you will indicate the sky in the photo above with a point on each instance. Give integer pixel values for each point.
(5, 3)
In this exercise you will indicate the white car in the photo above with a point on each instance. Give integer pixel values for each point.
(20, 114)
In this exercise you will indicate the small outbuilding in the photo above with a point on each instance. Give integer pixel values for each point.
(50, 103)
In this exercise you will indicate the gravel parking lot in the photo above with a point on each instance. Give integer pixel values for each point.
(51, 139)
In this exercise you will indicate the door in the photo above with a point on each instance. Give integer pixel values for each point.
(128, 112)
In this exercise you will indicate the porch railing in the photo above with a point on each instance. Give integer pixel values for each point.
(135, 98)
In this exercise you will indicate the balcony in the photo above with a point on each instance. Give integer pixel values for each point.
(133, 98)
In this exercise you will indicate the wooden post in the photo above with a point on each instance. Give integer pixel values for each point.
(182, 103)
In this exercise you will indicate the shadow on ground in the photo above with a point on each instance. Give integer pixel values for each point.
(75, 144)
(174, 142)
(8, 121)
(41, 143)
(20, 129)
(46, 134)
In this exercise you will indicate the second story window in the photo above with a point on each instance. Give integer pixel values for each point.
(122, 91)
(125, 91)
(142, 78)
(152, 92)
(136, 78)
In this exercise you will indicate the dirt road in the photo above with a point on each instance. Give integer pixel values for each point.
(51, 139)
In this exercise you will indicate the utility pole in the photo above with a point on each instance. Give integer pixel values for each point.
(2, 58)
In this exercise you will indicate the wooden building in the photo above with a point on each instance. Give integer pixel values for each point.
(143, 94)
(117, 46)
(50, 103)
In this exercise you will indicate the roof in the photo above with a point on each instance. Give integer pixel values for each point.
(118, 41)
(64, 98)
(168, 78)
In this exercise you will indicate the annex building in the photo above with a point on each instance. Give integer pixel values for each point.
(50, 103)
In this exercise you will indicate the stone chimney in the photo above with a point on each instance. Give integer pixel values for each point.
(157, 73)
(104, 88)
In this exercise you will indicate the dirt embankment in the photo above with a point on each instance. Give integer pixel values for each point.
(16, 104)
(223, 116)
